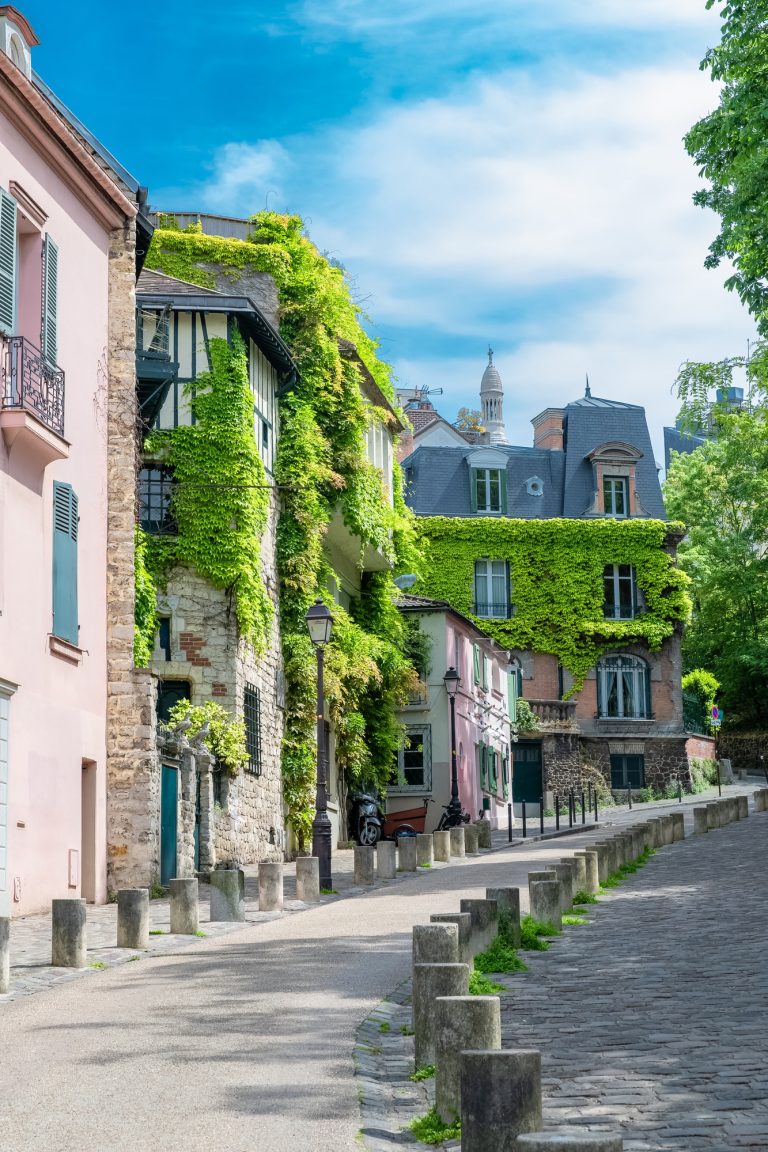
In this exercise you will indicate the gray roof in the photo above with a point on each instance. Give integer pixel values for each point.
(677, 441)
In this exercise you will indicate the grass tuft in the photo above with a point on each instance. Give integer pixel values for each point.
(328, 892)
(532, 933)
(384, 1027)
(480, 985)
(575, 920)
(425, 1073)
(431, 1130)
(156, 932)
(500, 957)
(406, 1030)
(97, 964)
(584, 897)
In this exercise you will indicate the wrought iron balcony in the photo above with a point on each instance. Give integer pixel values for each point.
(493, 611)
(29, 382)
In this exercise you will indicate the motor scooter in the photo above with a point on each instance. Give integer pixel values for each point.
(366, 819)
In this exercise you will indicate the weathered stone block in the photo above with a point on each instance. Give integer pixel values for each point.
(461, 1023)
(500, 1098)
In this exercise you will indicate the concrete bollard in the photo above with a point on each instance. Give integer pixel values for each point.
(546, 902)
(429, 982)
(571, 865)
(700, 821)
(638, 841)
(484, 915)
(5, 954)
(386, 859)
(271, 886)
(713, 817)
(654, 827)
(461, 1022)
(471, 840)
(457, 841)
(667, 830)
(133, 918)
(723, 812)
(565, 1140)
(500, 1098)
(185, 910)
(307, 879)
(68, 942)
(565, 874)
(592, 882)
(535, 877)
(759, 799)
(425, 851)
(603, 860)
(508, 904)
(442, 846)
(227, 894)
(463, 922)
(364, 871)
(580, 866)
(648, 836)
(611, 857)
(678, 827)
(484, 834)
(734, 803)
(622, 849)
(435, 944)
(743, 803)
(406, 854)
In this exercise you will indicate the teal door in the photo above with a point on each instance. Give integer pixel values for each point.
(526, 776)
(169, 809)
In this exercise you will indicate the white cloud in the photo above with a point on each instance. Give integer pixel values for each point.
(243, 178)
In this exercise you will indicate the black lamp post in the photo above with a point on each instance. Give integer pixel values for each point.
(320, 623)
(452, 682)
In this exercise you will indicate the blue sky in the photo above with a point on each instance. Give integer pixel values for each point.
(487, 170)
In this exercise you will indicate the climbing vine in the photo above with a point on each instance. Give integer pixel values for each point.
(324, 474)
(556, 578)
(145, 613)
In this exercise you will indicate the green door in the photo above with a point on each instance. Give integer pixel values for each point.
(526, 776)
(169, 807)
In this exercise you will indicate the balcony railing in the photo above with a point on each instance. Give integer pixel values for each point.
(493, 611)
(28, 381)
(555, 713)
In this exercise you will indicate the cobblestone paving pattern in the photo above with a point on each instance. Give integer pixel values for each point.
(652, 1019)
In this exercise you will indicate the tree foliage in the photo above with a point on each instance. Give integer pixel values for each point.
(469, 420)
(730, 147)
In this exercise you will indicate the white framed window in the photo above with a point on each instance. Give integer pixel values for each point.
(492, 589)
(623, 688)
(488, 490)
(413, 770)
(620, 599)
(616, 495)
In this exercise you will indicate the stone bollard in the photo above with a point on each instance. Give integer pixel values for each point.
(457, 841)
(5, 954)
(133, 918)
(565, 873)
(592, 883)
(667, 830)
(271, 886)
(471, 840)
(508, 904)
(484, 834)
(713, 817)
(68, 943)
(386, 859)
(484, 915)
(648, 836)
(723, 812)
(406, 853)
(442, 846)
(580, 866)
(364, 874)
(759, 799)
(622, 849)
(573, 871)
(611, 857)
(654, 827)
(743, 803)
(429, 982)
(227, 894)
(678, 827)
(435, 944)
(425, 851)
(569, 1140)
(700, 821)
(734, 804)
(185, 911)
(603, 860)
(535, 877)
(500, 1098)
(463, 922)
(545, 902)
(307, 879)
(461, 1023)
(638, 841)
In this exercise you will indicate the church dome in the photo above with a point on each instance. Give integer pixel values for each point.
(491, 381)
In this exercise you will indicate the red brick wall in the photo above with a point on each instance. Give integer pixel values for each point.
(700, 747)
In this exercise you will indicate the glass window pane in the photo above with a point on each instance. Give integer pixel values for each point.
(480, 490)
(494, 491)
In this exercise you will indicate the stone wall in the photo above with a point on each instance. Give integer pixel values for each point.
(561, 762)
(666, 759)
(748, 750)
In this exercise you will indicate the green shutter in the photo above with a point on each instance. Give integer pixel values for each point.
(473, 489)
(493, 769)
(503, 491)
(483, 766)
(50, 299)
(512, 682)
(485, 671)
(508, 582)
(476, 663)
(7, 264)
(65, 531)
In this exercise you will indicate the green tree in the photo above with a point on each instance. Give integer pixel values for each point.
(720, 492)
(469, 420)
(730, 147)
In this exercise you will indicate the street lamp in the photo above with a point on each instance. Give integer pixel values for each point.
(320, 623)
(452, 682)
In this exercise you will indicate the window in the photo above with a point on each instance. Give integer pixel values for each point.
(616, 495)
(164, 636)
(492, 589)
(476, 663)
(155, 493)
(414, 761)
(252, 721)
(489, 490)
(65, 532)
(169, 692)
(620, 592)
(623, 688)
(627, 772)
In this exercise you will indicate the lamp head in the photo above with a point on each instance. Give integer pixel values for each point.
(452, 681)
(320, 623)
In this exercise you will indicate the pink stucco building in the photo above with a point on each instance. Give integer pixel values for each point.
(66, 223)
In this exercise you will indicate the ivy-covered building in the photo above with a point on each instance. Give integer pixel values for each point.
(563, 553)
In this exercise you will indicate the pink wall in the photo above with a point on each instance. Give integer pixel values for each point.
(57, 714)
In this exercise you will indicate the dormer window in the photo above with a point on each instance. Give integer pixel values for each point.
(17, 39)
(615, 495)
(614, 466)
(488, 482)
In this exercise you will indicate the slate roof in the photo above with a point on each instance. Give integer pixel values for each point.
(438, 481)
(677, 441)
(155, 283)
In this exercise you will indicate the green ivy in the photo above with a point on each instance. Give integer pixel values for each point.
(556, 574)
(145, 614)
(323, 470)
(225, 737)
(220, 498)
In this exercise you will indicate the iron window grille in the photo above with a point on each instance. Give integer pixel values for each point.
(620, 592)
(414, 761)
(155, 500)
(623, 688)
(252, 721)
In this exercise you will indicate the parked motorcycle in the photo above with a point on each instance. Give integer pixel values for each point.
(451, 819)
(366, 819)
